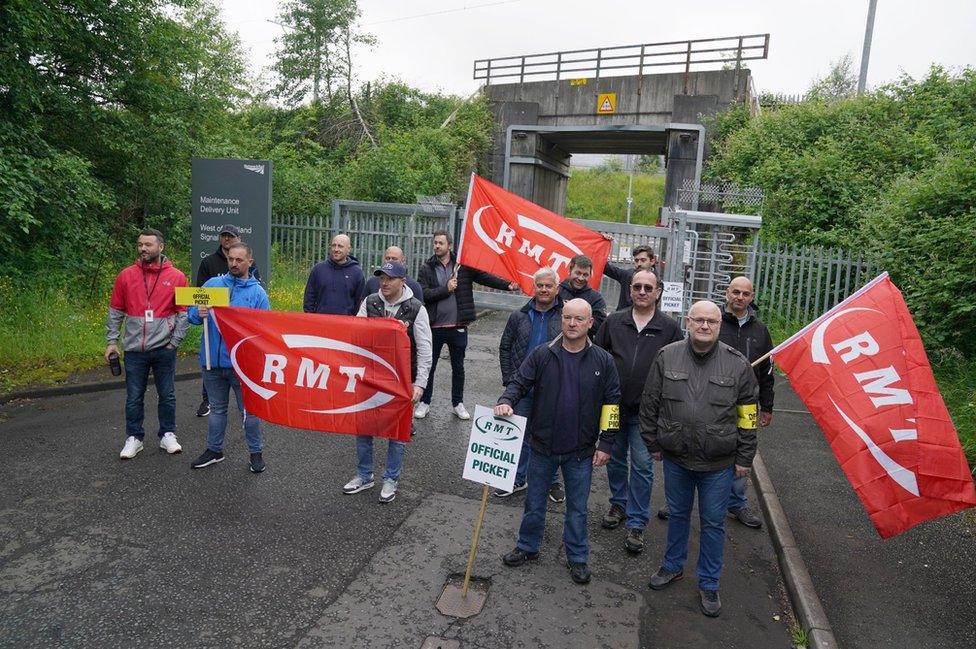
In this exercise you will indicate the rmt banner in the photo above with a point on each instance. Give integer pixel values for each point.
(493, 449)
(862, 370)
(234, 192)
(336, 374)
(511, 237)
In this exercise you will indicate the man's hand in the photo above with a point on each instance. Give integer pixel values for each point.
(600, 458)
(514, 286)
(417, 393)
(765, 418)
(451, 284)
(109, 349)
(658, 456)
(503, 410)
(741, 471)
(203, 310)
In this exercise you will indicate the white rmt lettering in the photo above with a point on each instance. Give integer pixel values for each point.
(556, 260)
(535, 252)
(878, 384)
(862, 344)
(505, 235)
(274, 369)
(308, 374)
(352, 373)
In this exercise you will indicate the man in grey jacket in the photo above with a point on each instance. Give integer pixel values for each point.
(699, 415)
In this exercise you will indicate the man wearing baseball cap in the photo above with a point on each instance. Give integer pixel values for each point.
(215, 265)
(393, 300)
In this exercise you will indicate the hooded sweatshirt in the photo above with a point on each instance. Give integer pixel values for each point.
(335, 288)
(140, 289)
(243, 292)
(421, 337)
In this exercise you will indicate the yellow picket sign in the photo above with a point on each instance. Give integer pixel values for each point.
(196, 296)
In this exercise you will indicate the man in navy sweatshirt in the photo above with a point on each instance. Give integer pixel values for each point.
(336, 285)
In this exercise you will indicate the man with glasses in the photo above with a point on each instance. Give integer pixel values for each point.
(699, 415)
(633, 337)
(644, 259)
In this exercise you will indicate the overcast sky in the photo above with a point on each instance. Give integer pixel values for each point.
(436, 51)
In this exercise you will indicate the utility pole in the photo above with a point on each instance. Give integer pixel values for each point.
(630, 186)
(866, 52)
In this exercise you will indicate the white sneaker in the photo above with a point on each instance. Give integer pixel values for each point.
(357, 484)
(169, 444)
(388, 492)
(132, 446)
(421, 410)
(460, 411)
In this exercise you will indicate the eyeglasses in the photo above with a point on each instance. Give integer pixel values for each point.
(643, 288)
(705, 321)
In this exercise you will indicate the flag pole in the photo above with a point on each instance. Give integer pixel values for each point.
(762, 358)
(474, 542)
(206, 340)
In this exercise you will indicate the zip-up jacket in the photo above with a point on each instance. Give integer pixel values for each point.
(243, 292)
(598, 386)
(335, 288)
(514, 345)
(753, 340)
(623, 277)
(215, 265)
(593, 297)
(688, 411)
(435, 292)
(410, 311)
(146, 287)
(633, 351)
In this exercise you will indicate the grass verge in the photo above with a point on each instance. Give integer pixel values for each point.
(602, 196)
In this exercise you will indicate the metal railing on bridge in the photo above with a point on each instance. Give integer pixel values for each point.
(624, 59)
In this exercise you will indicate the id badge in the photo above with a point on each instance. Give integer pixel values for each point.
(149, 315)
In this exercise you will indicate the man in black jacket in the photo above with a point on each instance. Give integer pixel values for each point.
(742, 330)
(535, 324)
(644, 259)
(574, 381)
(576, 285)
(449, 300)
(633, 337)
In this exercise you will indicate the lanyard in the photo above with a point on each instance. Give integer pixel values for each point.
(145, 283)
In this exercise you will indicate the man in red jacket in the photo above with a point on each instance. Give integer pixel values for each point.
(144, 297)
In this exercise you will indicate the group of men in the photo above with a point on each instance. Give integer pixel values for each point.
(693, 403)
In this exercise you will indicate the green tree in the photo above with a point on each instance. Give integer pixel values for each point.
(839, 83)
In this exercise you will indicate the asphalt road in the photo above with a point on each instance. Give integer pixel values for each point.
(147, 553)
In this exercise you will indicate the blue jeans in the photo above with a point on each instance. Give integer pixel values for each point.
(577, 474)
(219, 381)
(713, 497)
(456, 339)
(737, 499)
(524, 409)
(364, 454)
(162, 362)
(632, 495)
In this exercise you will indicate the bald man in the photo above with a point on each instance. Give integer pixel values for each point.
(395, 254)
(698, 415)
(335, 285)
(572, 381)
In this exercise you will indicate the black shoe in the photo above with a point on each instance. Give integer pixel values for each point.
(501, 493)
(635, 541)
(747, 517)
(578, 572)
(257, 463)
(662, 578)
(613, 518)
(517, 557)
(209, 457)
(664, 513)
(711, 604)
(556, 493)
(204, 408)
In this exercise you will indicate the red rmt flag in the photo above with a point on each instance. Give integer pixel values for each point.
(863, 373)
(338, 374)
(511, 237)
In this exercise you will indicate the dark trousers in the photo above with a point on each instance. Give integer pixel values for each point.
(456, 339)
(162, 362)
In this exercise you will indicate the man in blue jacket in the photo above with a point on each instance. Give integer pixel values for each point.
(573, 380)
(220, 379)
(335, 285)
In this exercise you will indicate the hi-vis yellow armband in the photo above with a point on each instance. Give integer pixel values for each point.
(747, 416)
(610, 418)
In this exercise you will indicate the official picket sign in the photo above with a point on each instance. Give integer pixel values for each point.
(671, 297)
(197, 296)
(493, 449)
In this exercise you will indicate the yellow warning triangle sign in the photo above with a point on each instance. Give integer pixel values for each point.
(606, 106)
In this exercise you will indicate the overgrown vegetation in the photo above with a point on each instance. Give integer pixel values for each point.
(601, 194)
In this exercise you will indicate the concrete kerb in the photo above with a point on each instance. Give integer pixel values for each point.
(798, 583)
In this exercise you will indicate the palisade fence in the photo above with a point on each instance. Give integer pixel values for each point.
(799, 283)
